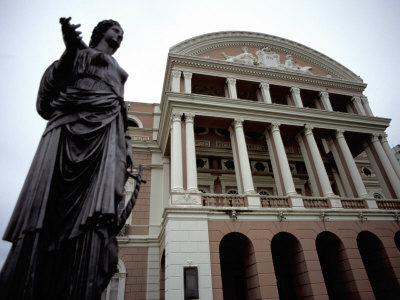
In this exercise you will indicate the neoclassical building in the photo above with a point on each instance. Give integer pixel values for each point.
(268, 177)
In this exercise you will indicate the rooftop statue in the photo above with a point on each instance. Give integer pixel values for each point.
(65, 222)
(243, 58)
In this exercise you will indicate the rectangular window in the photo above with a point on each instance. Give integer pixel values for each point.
(191, 282)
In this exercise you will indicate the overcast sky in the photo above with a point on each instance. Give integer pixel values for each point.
(361, 35)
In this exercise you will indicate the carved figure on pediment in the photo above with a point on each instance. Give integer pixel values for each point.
(243, 58)
(268, 58)
(290, 64)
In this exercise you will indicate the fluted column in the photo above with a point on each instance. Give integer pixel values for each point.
(247, 178)
(322, 175)
(324, 97)
(264, 87)
(358, 106)
(176, 81)
(287, 178)
(390, 154)
(387, 166)
(296, 96)
(188, 82)
(231, 82)
(191, 168)
(351, 165)
(176, 153)
(367, 108)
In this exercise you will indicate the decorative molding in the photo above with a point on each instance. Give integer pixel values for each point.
(176, 116)
(231, 81)
(202, 143)
(212, 41)
(284, 75)
(176, 73)
(187, 75)
(189, 117)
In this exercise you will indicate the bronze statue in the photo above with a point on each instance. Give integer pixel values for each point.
(64, 226)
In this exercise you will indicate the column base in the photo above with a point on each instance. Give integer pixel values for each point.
(335, 201)
(253, 200)
(296, 200)
(371, 203)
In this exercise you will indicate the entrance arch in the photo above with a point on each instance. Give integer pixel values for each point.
(379, 269)
(238, 268)
(290, 267)
(339, 279)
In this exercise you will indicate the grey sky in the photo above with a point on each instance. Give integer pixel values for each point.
(361, 35)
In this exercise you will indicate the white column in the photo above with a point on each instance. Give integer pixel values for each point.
(307, 161)
(231, 82)
(247, 177)
(191, 169)
(296, 96)
(358, 106)
(318, 163)
(390, 154)
(235, 154)
(264, 87)
(324, 96)
(176, 153)
(367, 108)
(282, 159)
(188, 82)
(387, 166)
(176, 81)
(351, 165)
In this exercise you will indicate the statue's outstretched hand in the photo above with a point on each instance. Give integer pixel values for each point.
(72, 38)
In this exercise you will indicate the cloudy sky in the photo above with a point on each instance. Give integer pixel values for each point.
(361, 35)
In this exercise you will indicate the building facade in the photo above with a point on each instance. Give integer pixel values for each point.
(268, 177)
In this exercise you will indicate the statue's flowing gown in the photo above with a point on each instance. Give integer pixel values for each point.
(64, 224)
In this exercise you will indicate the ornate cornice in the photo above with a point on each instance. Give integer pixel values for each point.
(207, 42)
(227, 67)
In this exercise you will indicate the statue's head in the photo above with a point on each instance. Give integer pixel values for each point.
(100, 30)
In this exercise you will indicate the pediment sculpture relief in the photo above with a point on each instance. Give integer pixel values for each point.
(268, 59)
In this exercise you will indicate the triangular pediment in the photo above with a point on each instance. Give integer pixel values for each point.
(263, 51)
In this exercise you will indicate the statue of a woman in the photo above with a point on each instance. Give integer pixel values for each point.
(65, 221)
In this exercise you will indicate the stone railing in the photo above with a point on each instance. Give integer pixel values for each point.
(316, 202)
(274, 201)
(220, 200)
(353, 203)
(388, 204)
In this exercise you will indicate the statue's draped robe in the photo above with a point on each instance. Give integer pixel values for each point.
(64, 224)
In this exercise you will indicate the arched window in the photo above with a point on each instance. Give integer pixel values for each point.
(162, 277)
(132, 123)
(116, 288)
(339, 279)
(238, 270)
(379, 269)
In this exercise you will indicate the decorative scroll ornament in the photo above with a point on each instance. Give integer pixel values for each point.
(268, 59)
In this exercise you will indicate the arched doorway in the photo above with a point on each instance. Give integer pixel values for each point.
(162, 277)
(397, 240)
(380, 272)
(238, 268)
(289, 264)
(339, 279)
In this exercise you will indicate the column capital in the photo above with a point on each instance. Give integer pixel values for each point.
(187, 75)
(274, 126)
(308, 129)
(356, 99)
(189, 117)
(383, 137)
(374, 137)
(238, 122)
(323, 94)
(264, 85)
(176, 73)
(364, 99)
(295, 90)
(231, 81)
(339, 133)
(176, 116)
